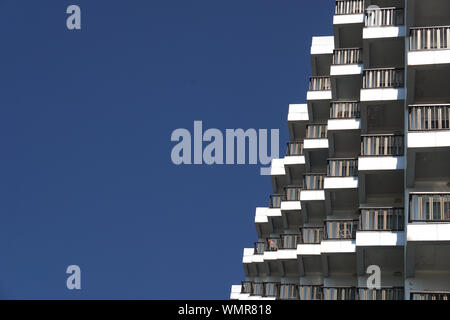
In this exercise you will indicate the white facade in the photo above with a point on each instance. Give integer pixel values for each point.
(366, 178)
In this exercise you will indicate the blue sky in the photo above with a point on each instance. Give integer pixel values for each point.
(86, 116)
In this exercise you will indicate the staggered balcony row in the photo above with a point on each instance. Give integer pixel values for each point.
(283, 291)
(430, 207)
(421, 118)
(372, 79)
(387, 219)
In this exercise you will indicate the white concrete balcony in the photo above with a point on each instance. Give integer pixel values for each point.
(381, 153)
(381, 163)
(429, 232)
(349, 12)
(342, 174)
(383, 85)
(297, 118)
(338, 246)
(291, 199)
(429, 217)
(298, 112)
(429, 46)
(322, 45)
(294, 154)
(344, 116)
(384, 23)
(319, 89)
(347, 62)
(381, 227)
(313, 188)
(277, 167)
(262, 214)
(334, 183)
(316, 137)
(339, 236)
(321, 52)
(429, 126)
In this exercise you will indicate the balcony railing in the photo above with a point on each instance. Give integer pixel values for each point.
(313, 181)
(270, 289)
(310, 292)
(344, 110)
(384, 17)
(428, 295)
(292, 193)
(260, 247)
(381, 294)
(382, 145)
(246, 287)
(349, 7)
(340, 229)
(288, 292)
(339, 293)
(275, 200)
(319, 84)
(273, 244)
(429, 208)
(311, 235)
(347, 56)
(383, 78)
(429, 117)
(381, 219)
(317, 131)
(290, 241)
(294, 148)
(429, 38)
(342, 167)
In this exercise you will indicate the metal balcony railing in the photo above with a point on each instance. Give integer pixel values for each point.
(342, 167)
(381, 219)
(292, 193)
(340, 229)
(294, 148)
(316, 131)
(275, 200)
(273, 244)
(429, 117)
(319, 84)
(290, 241)
(382, 145)
(429, 208)
(288, 292)
(347, 56)
(257, 289)
(270, 289)
(310, 292)
(392, 293)
(430, 295)
(429, 38)
(384, 17)
(260, 247)
(349, 7)
(246, 287)
(313, 181)
(345, 110)
(311, 235)
(339, 293)
(383, 78)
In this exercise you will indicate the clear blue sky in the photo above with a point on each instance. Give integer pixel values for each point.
(85, 122)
